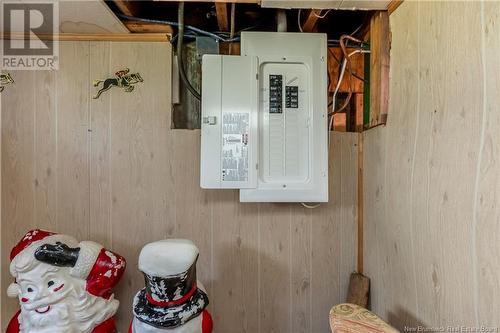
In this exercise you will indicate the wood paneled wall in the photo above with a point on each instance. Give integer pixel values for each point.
(432, 175)
(113, 171)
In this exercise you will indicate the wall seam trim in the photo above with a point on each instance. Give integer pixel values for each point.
(417, 126)
(478, 171)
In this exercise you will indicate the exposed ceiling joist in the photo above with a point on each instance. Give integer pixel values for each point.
(147, 27)
(129, 8)
(393, 5)
(328, 4)
(222, 16)
(113, 37)
(222, 1)
(312, 19)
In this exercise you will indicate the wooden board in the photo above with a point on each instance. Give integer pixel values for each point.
(113, 171)
(135, 37)
(380, 45)
(393, 5)
(335, 59)
(223, 1)
(311, 19)
(327, 4)
(334, 259)
(147, 27)
(45, 141)
(18, 164)
(486, 201)
(86, 17)
(72, 162)
(222, 16)
(127, 7)
(430, 183)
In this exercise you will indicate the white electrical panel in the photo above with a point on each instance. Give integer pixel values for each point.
(264, 119)
(229, 122)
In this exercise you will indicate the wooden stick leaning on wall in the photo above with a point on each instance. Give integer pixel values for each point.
(360, 238)
(359, 285)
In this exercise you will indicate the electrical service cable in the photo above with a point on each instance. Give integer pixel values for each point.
(321, 16)
(176, 24)
(298, 20)
(340, 65)
(310, 206)
(180, 40)
(349, 68)
(341, 76)
(231, 36)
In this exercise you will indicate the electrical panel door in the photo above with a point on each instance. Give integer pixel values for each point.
(293, 135)
(229, 122)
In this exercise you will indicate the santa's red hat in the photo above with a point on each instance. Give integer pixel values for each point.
(24, 252)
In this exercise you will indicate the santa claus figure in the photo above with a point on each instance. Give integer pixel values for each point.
(173, 301)
(63, 286)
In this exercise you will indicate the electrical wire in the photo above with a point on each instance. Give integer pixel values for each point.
(231, 36)
(180, 40)
(310, 206)
(176, 24)
(298, 21)
(321, 16)
(341, 76)
(347, 60)
(340, 64)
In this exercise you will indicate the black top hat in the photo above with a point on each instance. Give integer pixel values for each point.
(169, 300)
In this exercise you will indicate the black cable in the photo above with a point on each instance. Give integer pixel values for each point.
(180, 40)
(176, 24)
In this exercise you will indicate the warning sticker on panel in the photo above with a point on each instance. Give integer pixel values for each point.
(235, 127)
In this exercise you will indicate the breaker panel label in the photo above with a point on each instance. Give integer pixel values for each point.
(292, 97)
(235, 128)
(275, 93)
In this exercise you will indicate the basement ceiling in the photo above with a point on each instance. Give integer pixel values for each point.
(249, 15)
(327, 4)
(87, 17)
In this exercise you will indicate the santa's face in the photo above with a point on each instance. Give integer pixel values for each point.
(43, 287)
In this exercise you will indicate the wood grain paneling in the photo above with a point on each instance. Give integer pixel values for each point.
(73, 139)
(113, 171)
(100, 149)
(486, 228)
(18, 167)
(333, 261)
(431, 183)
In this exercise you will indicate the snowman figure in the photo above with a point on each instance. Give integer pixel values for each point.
(173, 301)
(63, 285)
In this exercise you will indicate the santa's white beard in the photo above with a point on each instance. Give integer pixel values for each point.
(79, 312)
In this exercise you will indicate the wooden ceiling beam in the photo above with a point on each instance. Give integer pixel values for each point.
(113, 37)
(222, 1)
(312, 19)
(393, 5)
(222, 16)
(129, 8)
(147, 27)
